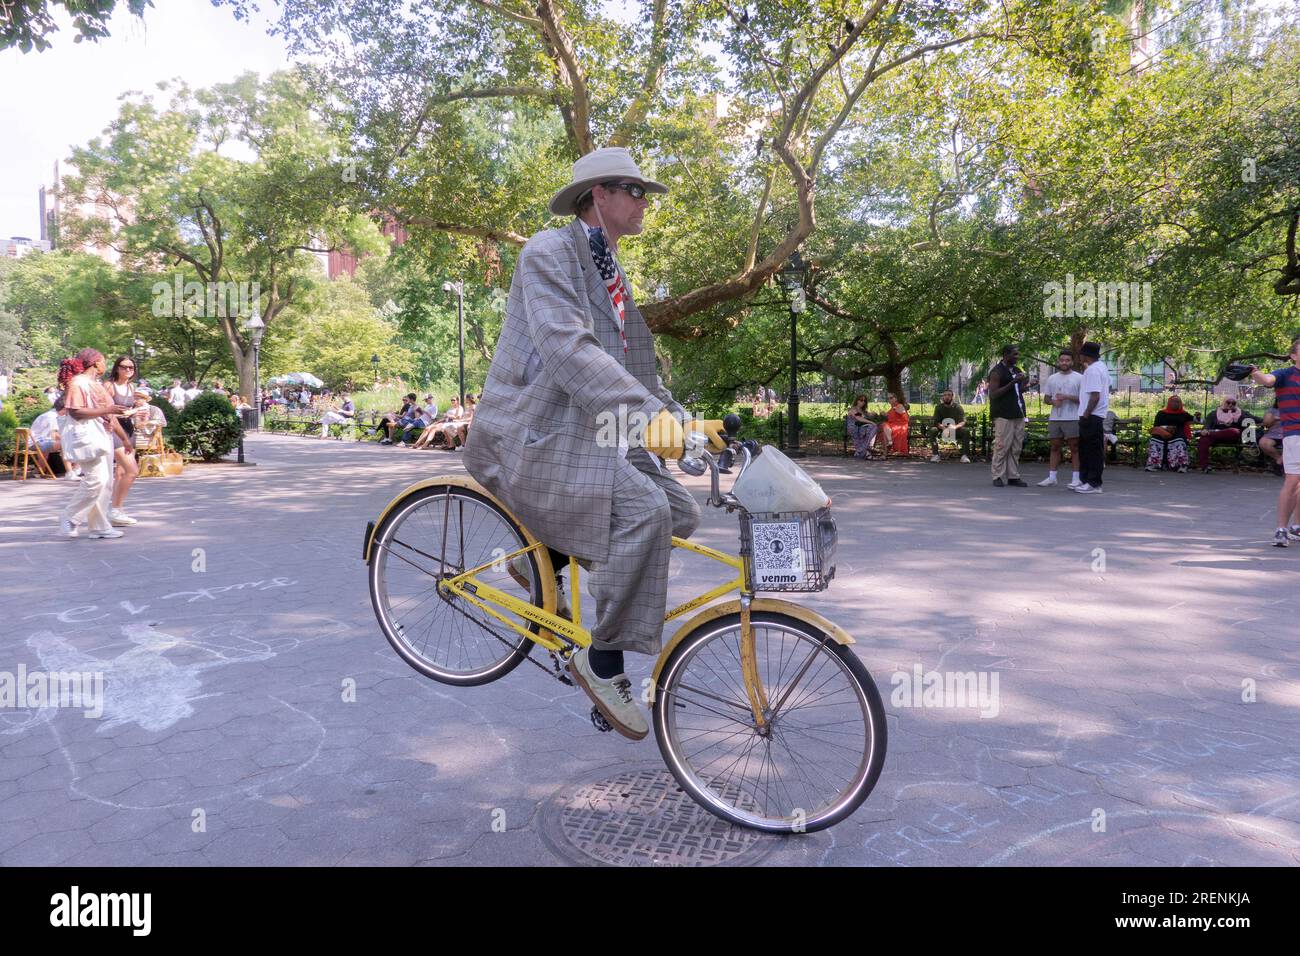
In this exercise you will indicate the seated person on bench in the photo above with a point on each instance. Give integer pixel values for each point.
(344, 415)
(45, 436)
(948, 411)
(403, 418)
(453, 416)
(1222, 427)
(424, 416)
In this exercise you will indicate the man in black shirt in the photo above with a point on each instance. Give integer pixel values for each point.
(949, 411)
(1007, 409)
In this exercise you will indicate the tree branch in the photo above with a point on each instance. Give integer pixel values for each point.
(560, 47)
(640, 106)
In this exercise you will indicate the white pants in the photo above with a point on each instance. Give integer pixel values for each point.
(332, 418)
(92, 498)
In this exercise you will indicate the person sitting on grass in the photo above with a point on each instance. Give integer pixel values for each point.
(1167, 449)
(950, 424)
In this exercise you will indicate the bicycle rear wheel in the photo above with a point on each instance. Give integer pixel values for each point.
(441, 532)
(824, 744)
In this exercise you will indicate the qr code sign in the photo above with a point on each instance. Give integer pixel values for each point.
(778, 556)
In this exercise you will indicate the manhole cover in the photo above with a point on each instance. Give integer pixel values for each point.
(639, 817)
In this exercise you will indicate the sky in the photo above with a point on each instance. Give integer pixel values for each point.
(66, 95)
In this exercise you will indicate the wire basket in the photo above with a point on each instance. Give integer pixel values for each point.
(788, 550)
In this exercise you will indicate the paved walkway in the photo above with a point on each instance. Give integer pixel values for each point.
(231, 622)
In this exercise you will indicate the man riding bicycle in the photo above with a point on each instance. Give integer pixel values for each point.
(575, 354)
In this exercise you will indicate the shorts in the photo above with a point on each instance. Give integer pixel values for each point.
(1062, 428)
(1291, 454)
(46, 445)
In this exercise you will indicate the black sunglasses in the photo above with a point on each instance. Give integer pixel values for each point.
(635, 190)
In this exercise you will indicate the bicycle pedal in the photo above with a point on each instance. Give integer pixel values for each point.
(598, 720)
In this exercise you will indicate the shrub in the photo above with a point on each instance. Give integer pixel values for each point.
(208, 428)
(8, 424)
(27, 405)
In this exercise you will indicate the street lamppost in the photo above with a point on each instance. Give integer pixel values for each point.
(459, 288)
(374, 360)
(139, 353)
(256, 329)
(791, 277)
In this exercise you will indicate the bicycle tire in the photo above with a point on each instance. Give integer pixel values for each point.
(671, 699)
(452, 612)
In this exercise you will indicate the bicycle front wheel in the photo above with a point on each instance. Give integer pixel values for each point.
(821, 749)
(437, 533)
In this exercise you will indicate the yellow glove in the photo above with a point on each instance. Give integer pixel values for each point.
(664, 436)
(713, 428)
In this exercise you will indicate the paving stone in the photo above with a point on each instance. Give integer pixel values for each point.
(1108, 697)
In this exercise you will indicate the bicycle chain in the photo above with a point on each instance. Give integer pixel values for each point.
(558, 674)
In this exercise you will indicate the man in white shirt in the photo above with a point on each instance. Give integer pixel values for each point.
(45, 435)
(177, 395)
(192, 393)
(1062, 392)
(1094, 399)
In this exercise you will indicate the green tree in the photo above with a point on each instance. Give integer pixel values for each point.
(746, 148)
(238, 184)
(335, 338)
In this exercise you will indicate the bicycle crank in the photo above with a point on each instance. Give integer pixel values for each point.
(598, 720)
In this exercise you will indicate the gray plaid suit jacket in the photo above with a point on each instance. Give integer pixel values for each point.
(558, 365)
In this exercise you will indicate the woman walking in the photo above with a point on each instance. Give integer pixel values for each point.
(125, 469)
(86, 429)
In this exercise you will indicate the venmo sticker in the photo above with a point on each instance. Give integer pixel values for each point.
(778, 556)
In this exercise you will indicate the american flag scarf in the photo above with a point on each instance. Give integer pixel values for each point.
(618, 293)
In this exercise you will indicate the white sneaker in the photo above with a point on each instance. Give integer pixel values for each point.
(1049, 480)
(965, 460)
(120, 519)
(1074, 483)
(934, 458)
(1087, 489)
(110, 533)
(612, 697)
(67, 528)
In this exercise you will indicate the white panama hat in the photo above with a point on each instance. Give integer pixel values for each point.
(600, 166)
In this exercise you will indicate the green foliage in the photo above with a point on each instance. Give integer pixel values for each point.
(27, 404)
(26, 23)
(207, 428)
(8, 423)
(333, 332)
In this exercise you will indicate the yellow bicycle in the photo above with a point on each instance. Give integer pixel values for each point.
(761, 711)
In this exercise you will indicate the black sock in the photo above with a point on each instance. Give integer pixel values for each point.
(605, 664)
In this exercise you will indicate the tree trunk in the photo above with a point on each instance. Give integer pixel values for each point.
(244, 370)
(894, 381)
